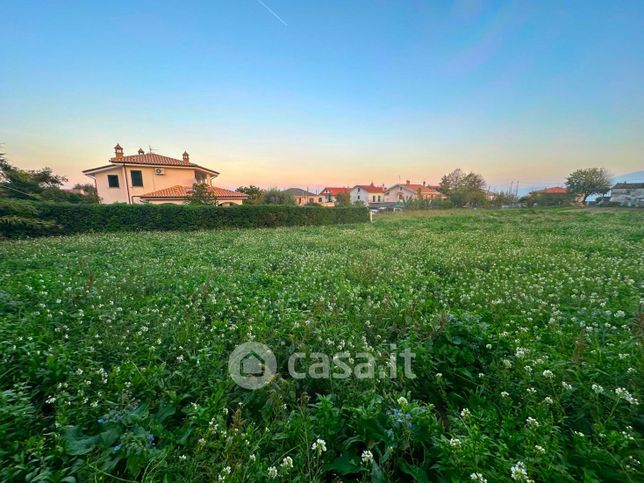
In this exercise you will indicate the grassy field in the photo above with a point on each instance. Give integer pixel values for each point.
(526, 327)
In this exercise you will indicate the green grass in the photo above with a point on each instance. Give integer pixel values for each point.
(114, 350)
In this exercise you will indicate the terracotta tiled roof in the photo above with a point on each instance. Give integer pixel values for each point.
(557, 190)
(151, 158)
(179, 191)
(333, 190)
(424, 189)
(298, 192)
(370, 188)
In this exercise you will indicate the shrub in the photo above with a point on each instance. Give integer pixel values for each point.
(20, 218)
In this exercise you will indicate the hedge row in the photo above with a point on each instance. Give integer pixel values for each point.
(21, 218)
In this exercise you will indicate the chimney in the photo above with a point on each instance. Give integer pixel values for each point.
(407, 181)
(423, 183)
(141, 151)
(118, 151)
(186, 157)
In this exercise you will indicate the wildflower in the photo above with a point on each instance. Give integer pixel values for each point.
(287, 463)
(622, 393)
(507, 364)
(402, 401)
(478, 477)
(253, 458)
(533, 423)
(579, 433)
(272, 472)
(465, 413)
(319, 446)
(439, 375)
(488, 347)
(183, 457)
(367, 457)
(455, 443)
(505, 394)
(566, 386)
(539, 449)
(597, 388)
(548, 400)
(518, 472)
(531, 390)
(548, 374)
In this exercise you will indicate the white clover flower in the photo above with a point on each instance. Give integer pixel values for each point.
(478, 477)
(367, 457)
(287, 463)
(319, 446)
(402, 401)
(455, 443)
(548, 374)
(272, 472)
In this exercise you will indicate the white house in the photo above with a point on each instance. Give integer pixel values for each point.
(411, 191)
(628, 194)
(366, 194)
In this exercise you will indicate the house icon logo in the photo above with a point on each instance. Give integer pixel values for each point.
(252, 365)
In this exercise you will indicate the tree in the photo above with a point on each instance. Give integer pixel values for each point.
(254, 194)
(41, 184)
(588, 182)
(463, 189)
(26, 184)
(274, 196)
(201, 195)
(343, 199)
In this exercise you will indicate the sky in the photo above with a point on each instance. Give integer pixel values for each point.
(309, 93)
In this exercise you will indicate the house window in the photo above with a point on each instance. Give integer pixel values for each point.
(374, 198)
(112, 180)
(358, 196)
(137, 178)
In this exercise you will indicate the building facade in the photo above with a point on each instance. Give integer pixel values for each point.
(140, 178)
(628, 194)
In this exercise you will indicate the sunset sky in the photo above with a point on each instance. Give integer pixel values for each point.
(327, 92)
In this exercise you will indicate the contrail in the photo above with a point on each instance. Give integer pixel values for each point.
(272, 13)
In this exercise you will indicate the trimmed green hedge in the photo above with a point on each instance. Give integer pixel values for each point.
(17, 218)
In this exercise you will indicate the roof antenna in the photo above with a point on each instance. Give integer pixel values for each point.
(150, 149)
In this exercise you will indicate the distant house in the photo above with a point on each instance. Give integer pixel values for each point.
(628, 194)
(153, 178)
(367, 194)
(411, 191)
(556, 190)
(302, 197)
(554, 196)
(330, 195)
